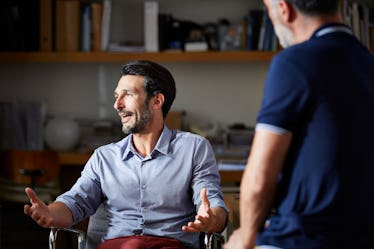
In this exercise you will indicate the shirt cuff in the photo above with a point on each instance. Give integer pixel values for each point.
(272, 128)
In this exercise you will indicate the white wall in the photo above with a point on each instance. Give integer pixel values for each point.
(209, 92)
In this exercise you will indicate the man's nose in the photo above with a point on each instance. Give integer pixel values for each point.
(118, 103)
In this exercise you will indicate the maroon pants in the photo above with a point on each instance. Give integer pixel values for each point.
(141, 242)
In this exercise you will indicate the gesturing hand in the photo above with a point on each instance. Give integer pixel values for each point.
(205, 218)
(38, 210)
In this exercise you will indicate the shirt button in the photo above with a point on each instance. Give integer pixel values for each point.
(138, 231)
(144, 209)
(144, 186)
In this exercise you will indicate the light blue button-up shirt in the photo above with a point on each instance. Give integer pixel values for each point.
(153, 195)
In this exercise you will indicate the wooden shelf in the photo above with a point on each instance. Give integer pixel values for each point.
(105, 57)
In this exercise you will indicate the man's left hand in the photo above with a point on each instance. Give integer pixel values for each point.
(205, 218)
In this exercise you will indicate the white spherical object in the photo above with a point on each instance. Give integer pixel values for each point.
(61, 134)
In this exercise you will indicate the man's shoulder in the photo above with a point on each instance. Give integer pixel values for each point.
(186, 137)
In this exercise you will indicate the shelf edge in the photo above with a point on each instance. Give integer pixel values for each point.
(107, 57)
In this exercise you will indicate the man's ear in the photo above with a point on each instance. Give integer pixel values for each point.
(158, 101)
(286, 12)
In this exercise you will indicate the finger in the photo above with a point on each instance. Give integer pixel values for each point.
(43, 221)
(202, 218)
(204, 198)
(191, 228)
(32, 195)
(26, 209)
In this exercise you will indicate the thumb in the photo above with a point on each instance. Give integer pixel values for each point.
(204, 199)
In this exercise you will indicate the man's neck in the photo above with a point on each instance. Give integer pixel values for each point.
(305, 28)
(146, 141)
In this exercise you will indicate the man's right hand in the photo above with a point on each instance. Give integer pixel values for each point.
(38, 210)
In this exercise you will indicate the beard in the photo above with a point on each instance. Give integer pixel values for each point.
(142, 119)
(284, 34)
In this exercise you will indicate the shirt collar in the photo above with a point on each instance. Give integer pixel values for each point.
(332, 28)
(162, 145)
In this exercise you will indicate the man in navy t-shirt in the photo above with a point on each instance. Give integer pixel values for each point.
(309, 181)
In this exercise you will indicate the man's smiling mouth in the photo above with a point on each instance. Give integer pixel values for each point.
(125, 116)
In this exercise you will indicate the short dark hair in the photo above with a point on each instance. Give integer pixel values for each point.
(157, 79)
(316, 7)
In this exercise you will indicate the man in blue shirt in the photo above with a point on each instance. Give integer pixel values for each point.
(159, 187)
(308, 182)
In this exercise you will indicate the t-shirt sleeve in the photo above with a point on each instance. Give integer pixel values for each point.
(285, 95)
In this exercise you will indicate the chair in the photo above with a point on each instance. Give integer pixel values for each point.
(97, 227)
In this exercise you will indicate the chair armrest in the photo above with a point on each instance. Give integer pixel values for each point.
(214, 241)
(81, 237)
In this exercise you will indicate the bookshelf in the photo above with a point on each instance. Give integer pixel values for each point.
(107, 57)
(128, 13)
(103, 57)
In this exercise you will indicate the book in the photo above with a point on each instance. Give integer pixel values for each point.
(96, 15)
(357, 16)
(45, 25)
(20, 20)
(372, 37)
(67, 25)
(262, 34)
(244, 34)
(254, 21)
(31, 24)
(268, 40)
(86, 28)
(346, 11)
(13, 32)
(105, 24)
(151, 26)
(164, 31)
(366, 25)
(356, 20)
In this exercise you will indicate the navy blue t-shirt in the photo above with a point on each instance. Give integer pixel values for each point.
(322, 90)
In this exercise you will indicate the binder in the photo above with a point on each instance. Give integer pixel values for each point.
(96, 15)
(151, 26)
(67, 25)
(86, 28)
(45, 25)
(105, 24)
